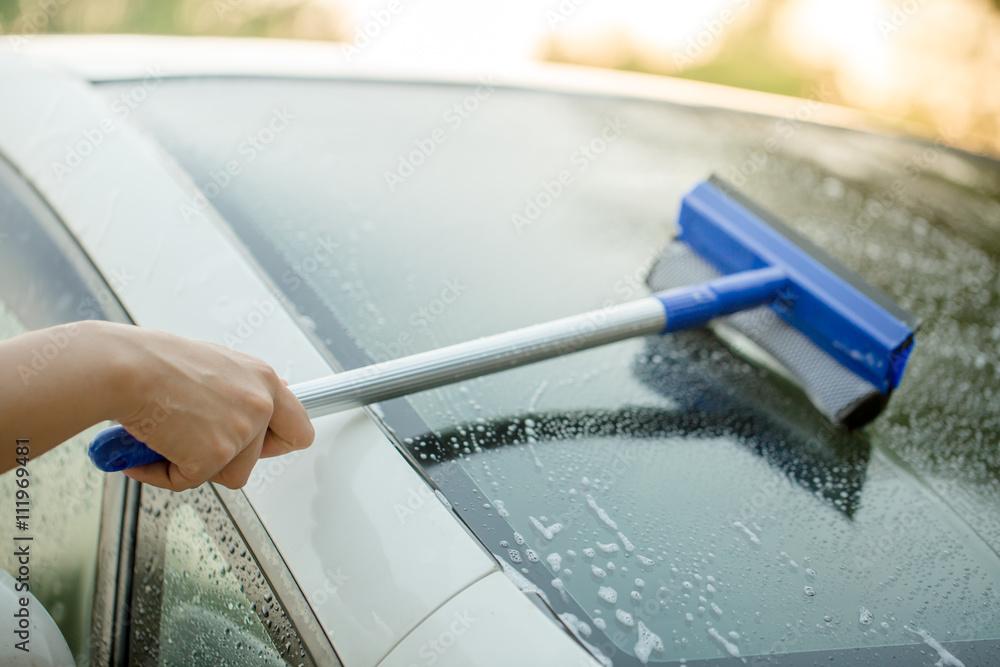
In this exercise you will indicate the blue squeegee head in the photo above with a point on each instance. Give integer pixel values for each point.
(845, 342)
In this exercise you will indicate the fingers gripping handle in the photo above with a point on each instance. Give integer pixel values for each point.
(115, 449)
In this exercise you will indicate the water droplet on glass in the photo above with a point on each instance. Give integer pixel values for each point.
(865, 617)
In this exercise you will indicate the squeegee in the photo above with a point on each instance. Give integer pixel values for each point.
(843, 341)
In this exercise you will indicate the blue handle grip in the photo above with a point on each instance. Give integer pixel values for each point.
(695, 305)
(115, 449)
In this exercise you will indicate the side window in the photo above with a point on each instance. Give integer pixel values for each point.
(199, 595)
(46, 280)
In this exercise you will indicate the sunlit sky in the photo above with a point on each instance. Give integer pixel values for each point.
(489, 33)
(931, 61)
(845, 35)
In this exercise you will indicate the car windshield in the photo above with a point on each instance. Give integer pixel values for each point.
(669, 499)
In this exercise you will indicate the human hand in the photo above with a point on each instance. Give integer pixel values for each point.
(210, 411)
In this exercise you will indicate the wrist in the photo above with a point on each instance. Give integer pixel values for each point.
(114, 357)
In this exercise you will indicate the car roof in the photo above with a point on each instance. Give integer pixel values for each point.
(123, 57)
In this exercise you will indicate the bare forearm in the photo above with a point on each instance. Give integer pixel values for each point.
(210, 411)
(59, 381)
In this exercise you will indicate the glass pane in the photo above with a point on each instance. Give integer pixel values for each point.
(204, 615)
(66, 492)
(664, 491)
(199, 597)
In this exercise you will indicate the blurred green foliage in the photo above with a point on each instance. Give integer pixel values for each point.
(238, 18)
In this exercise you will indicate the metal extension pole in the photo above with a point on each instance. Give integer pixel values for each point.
(427, 370)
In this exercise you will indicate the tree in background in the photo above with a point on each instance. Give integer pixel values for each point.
(302, 19)
(933, 62)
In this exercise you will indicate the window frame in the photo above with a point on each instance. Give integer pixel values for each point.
(207, 500)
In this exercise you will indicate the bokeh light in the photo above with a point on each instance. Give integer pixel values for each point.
(932, 63)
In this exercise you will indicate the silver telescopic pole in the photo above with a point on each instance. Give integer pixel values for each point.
(427, 370)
